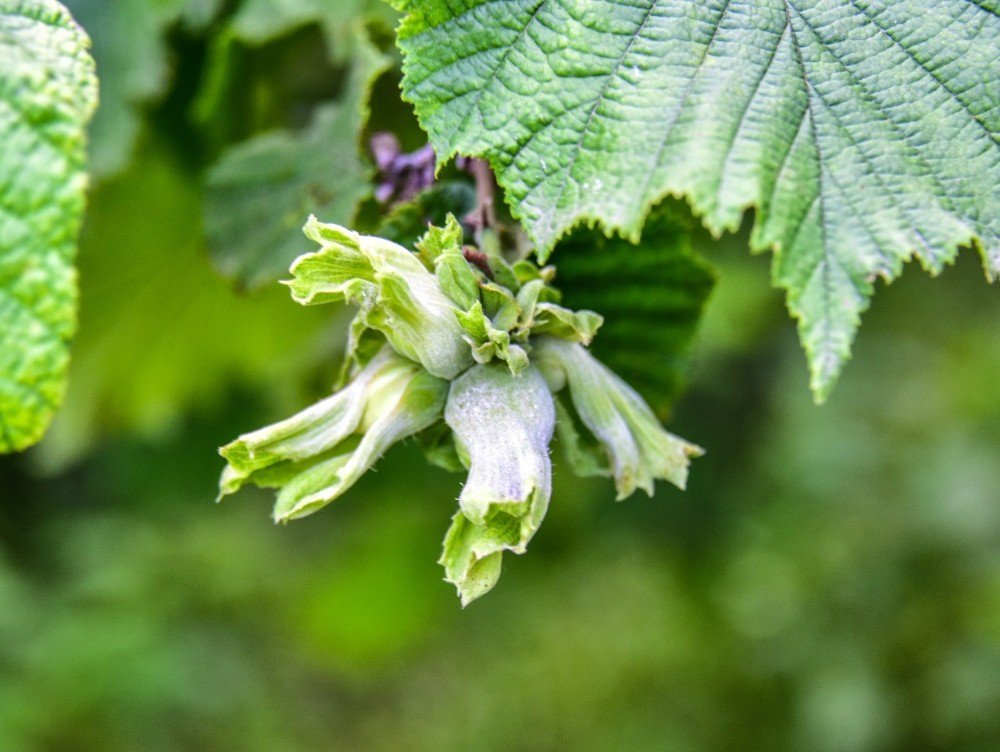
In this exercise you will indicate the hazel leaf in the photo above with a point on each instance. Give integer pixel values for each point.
(864, 133)
(48, 93)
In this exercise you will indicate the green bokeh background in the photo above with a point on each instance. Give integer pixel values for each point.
(829, 582)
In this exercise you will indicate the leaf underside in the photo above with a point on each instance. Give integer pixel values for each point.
(651, 296)
(47, 94)
(863, 132)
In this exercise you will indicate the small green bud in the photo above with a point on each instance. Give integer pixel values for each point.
(504, 424)
(396, 294)
(488, 342)
(316, 455)
(439, 240)
(575, 326)
(457, 279)
(638, 448)
(500, 305)
(315, 429)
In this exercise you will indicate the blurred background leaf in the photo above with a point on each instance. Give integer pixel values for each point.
(160, 331)
(133, 65)
(259, 21)
(258, 193)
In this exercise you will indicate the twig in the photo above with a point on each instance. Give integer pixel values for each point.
(484, 215)
(478, 258)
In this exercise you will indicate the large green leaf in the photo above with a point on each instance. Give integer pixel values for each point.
(47, 95)
(262, 190)
(863, 132)
(133, 65)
